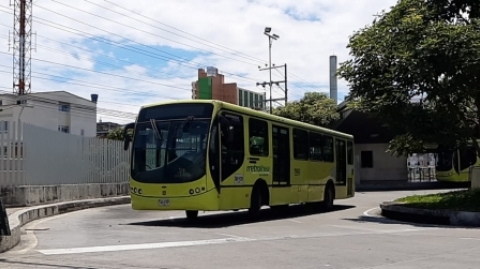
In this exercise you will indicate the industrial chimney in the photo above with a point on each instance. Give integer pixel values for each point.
(94, 97)
(333, 79)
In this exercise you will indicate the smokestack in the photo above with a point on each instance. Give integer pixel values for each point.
(333, 79)
(94, 97)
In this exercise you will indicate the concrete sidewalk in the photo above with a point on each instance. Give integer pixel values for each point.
(18, 217)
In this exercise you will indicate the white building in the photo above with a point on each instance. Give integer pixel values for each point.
(56, 110)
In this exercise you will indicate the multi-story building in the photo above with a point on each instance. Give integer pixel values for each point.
(56, 110)
(211, 85)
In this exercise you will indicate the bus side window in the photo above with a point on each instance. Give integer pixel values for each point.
(300, 144)
(258, 134)
(328, 155)
(316, 147)
(349, 152)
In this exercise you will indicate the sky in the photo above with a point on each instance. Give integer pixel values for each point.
(133, 53)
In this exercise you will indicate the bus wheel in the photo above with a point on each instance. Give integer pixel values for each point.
(192, 214)
(256, 202)
(329, 196)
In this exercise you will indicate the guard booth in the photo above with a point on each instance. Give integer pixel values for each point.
(4, 225)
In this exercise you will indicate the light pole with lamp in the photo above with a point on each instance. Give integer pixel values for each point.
(271, 37)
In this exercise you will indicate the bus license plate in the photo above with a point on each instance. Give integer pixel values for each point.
(164, 202)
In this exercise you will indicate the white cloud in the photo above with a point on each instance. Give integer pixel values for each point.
(310, 31)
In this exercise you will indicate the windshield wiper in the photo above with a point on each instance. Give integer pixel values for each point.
(181, 128)
(156, 132)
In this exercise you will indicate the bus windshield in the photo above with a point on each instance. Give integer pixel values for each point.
(171, 150)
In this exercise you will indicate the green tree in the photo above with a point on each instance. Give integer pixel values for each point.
(314, 108)
(417, 69)
(116, 134)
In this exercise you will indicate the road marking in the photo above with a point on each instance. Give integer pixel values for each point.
(296, 221)
(367, 212)
(139, 246)
(233, 236)
(113, 248)
(470, 238)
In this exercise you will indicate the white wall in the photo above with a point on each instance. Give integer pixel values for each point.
(385, 166)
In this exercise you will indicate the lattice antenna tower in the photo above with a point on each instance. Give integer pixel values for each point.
(22, 46)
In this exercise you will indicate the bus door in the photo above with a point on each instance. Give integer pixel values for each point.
(230, 142)
(281, 156)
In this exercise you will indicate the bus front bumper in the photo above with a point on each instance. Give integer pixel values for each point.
(207, 201)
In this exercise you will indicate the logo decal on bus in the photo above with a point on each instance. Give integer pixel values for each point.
(258, 169)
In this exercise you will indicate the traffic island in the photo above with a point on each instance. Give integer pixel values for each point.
(458, 208)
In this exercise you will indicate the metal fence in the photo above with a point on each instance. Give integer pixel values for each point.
(33, 155)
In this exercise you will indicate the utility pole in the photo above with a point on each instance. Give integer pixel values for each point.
(271, 37)
(22, 45)
(263, 84)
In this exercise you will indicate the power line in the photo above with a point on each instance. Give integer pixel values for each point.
(126, 25)
(87, 84)
(99, 110)
(149, 54)
(254, 58)
(105, 73)
(113, 43)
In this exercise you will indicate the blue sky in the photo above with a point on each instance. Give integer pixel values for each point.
(188, 35)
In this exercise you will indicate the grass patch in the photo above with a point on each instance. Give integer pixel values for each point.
(468, 200)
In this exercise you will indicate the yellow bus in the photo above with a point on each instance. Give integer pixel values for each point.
(453, 165)
(207, 155)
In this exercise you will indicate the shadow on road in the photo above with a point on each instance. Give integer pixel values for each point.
(236, 218)
(36, 265)
(415, 221)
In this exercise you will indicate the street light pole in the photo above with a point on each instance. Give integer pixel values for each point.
(270, 67)
(271, 37)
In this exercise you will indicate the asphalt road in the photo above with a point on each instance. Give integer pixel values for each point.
(352, 236)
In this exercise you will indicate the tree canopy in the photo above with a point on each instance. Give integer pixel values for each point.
(116, 134)
(314, 108)
(417, 69)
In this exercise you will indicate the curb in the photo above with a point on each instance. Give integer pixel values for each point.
(399, 211)
(24, 216)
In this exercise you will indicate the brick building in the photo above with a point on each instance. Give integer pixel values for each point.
(211, 85)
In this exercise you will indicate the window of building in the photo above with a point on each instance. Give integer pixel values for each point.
(315, 147)
(260, 101)
(3, 126)
(258, 133)
(328, 154)
(366, 159)
(82, 132)
(64, 107)
(240, 97)
(256, 100)
(300, 144)
(350, 152)
(251, 103)
(245, 98)
(64, 129)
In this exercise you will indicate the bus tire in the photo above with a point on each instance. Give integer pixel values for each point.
(255, 202)
(328, 197)
(191, 214)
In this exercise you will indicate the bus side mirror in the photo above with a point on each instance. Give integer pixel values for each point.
(126, 136)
